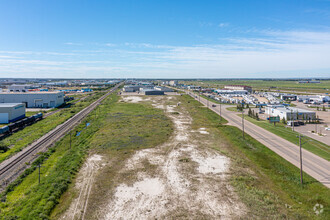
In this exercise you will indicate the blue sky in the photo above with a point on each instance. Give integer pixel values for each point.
(164, 39)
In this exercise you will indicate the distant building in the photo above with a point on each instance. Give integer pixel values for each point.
(18, 88)
(193, 87)
(289, 113)
(228, 91)
(164, 89)
(239, 87)
(131, 88)
(11, 112)
(289, 97)
(173, 82)
(309, 81)
(34, 99)
(153, 92)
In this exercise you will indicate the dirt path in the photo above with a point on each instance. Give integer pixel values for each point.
(187, 180)
(84, 185)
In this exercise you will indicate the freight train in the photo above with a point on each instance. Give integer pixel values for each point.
(12, 127)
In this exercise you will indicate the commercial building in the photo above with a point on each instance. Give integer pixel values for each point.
(239, 87)
(289, 113)
(11, 112)
(34, 99)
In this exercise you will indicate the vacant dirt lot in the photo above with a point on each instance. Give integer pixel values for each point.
(182, 178)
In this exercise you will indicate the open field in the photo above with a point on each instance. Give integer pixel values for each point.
(148, 157)
(265, 184)
(266, 85)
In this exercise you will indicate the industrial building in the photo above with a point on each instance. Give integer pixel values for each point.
(239, 87)
(289, 97)
(227, 91)
(131, 88)
(153, 92)
(11, 112)
(164, 89)
(34, 99)
(18, 88)
(290, 113)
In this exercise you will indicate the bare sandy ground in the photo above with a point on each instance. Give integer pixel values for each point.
(190, 180)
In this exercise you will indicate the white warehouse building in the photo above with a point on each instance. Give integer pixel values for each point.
(289, 113)
(34, 99)
(11, 112)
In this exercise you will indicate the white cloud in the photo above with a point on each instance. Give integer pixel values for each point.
(221, 25)
(272, 54)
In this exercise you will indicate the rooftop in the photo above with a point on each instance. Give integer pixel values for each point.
(289, 109)
(6, 105)
(20, 93)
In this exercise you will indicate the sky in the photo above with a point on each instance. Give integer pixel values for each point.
(164, 38)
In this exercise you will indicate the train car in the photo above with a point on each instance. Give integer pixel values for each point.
(4, 130)
(30, 120)
(38, 116)
(12, 127)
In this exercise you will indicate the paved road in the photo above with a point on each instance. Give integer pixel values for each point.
(313, 165)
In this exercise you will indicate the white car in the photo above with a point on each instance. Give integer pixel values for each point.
(327, 129)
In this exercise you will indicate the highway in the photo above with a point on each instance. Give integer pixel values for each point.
(313, 165)
(10, 168)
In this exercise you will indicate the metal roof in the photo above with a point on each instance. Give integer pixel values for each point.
(6, 105)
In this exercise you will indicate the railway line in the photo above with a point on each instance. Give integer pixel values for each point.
(10, 168)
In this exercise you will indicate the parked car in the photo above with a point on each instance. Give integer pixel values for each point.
(327, 129)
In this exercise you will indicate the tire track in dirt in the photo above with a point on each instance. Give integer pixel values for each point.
(84, 184)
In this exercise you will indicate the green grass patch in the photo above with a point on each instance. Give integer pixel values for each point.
(266, 183)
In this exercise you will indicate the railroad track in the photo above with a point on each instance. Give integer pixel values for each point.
(48, 139)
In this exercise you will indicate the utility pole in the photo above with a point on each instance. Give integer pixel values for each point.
(220, 109)
(243, 122)
(207, 102)
(301, 173)
(70, 138)
(292, 120)
(39, 165)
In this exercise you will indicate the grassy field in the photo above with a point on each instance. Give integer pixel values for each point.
(17, 141)
(118, 130)
(323, 87)
(267, 184)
